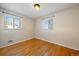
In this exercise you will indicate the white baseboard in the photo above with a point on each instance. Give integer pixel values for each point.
(38, 38)
(14, 43)
(58, 43)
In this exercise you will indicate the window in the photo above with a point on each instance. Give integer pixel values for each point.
(12, 22)
(47, 23)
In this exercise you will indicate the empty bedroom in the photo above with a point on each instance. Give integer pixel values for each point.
(39, 29)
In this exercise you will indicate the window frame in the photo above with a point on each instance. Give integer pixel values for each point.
(13, 22)
(48, 19)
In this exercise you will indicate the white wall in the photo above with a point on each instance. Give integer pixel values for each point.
(25, 33)
(65, 29)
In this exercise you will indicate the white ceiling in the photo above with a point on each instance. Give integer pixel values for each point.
(28, 10)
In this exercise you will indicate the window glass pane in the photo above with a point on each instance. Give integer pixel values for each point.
(16, 23)
(45, 24)
(9, 22)
(50, 23)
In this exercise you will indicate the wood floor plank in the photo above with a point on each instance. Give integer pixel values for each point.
(37, 47)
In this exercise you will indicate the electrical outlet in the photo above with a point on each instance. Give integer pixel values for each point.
(10, 41)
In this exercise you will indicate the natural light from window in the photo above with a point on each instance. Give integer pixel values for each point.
(47, 23)
(12, 22)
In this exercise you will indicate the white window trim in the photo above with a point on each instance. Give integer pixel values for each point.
(47, 18)
(13, 23)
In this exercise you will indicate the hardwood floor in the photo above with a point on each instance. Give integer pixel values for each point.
(36, 47)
